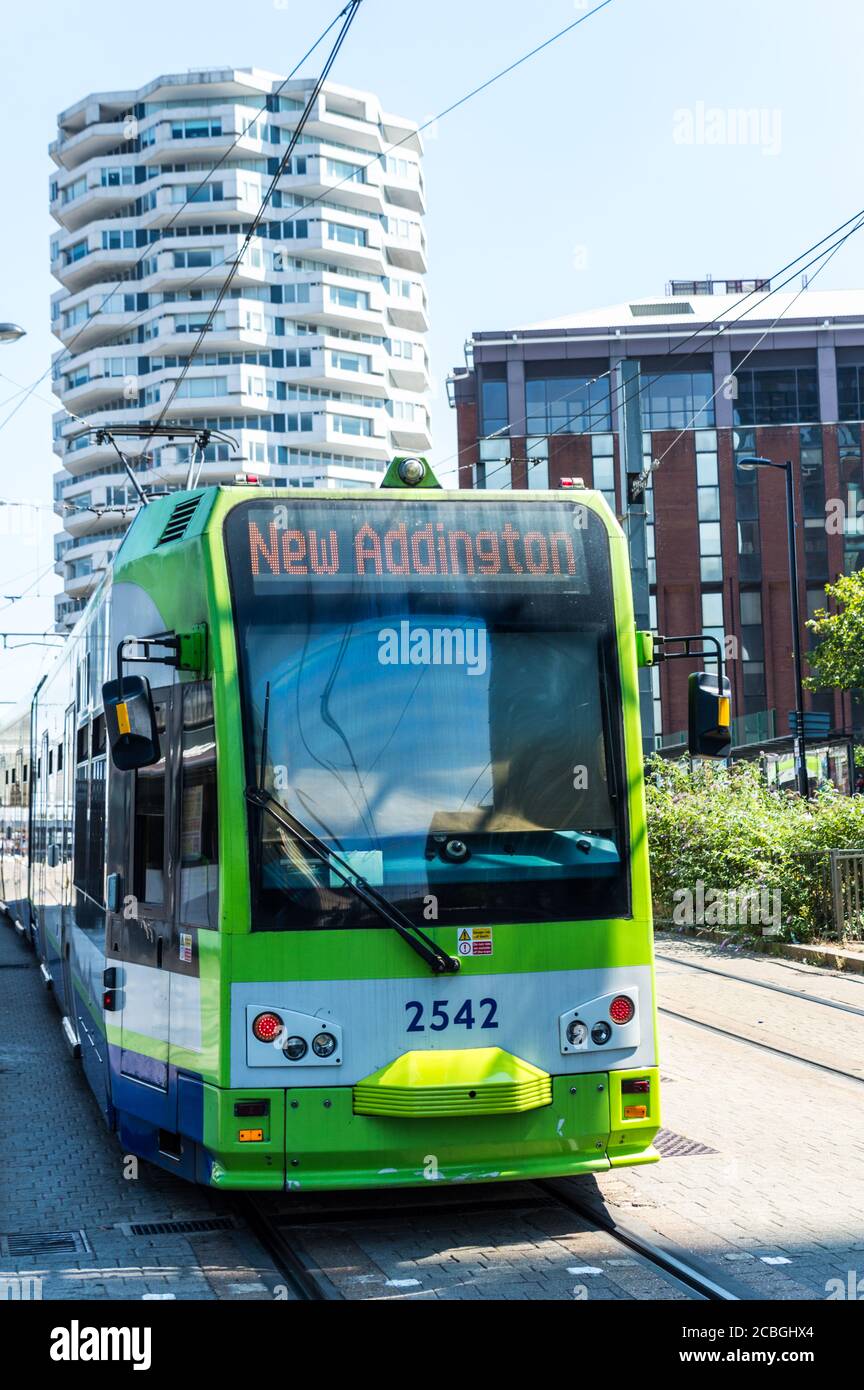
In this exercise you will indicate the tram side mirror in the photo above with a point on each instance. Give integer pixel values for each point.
(710, 731)
(130, 719)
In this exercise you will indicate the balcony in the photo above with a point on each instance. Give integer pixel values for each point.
(157, 143)
(408, 435)
(406, 252)
(97, 201)
(409, 375)
(103, 137)
(362, 193)
(87, 456)
(100, 323)
(339, 304)
(403, 189)
(320, 245)
(408, 311)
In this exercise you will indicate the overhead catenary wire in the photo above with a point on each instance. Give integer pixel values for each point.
(824, 256)
(672, 353)
(320, 201)
(350, 14)
(146, 250)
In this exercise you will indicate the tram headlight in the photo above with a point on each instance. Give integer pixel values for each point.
(295, 1049)
(324, 1045)
(267, 1027)
(577, 1033)
(601, 1033)
(412, 472)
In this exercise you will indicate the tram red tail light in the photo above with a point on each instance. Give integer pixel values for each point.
(636, 1086)
(267, 1027)
(622, 1009)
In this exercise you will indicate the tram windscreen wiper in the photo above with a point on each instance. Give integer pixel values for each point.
(435, 957)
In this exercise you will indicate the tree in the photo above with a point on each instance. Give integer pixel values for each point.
(838, 659)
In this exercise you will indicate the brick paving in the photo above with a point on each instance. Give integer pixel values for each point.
(780, 1205)
(787, 1182)
(60, 1170)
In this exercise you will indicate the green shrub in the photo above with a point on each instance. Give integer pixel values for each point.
(726, 829)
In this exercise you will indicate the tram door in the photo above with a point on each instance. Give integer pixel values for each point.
(39, 847)
(163, 844)
(141, 929)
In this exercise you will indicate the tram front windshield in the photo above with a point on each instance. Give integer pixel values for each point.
(440, 689)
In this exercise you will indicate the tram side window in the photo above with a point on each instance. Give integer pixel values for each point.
(79, 846)
(199, 831)
(148, 844)
(96, 833)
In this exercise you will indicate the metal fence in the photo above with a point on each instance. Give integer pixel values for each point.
(847, 892)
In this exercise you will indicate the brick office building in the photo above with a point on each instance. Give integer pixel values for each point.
(788, 373)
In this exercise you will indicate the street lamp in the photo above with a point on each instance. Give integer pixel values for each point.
(748, 465)
(10, 332)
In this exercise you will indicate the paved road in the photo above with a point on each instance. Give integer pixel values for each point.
(779, 1203)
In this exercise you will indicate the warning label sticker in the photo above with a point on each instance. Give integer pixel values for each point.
(186, 947)
(475, 941)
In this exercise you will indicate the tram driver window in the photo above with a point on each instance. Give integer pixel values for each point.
(199, 842)
(148, 875)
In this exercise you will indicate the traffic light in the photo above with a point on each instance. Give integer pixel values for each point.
(710, 732)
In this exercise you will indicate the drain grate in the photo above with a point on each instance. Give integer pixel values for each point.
(180, 1228)
(672, 1145)
(44, 1243)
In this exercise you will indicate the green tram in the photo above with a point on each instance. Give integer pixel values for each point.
(328, 828)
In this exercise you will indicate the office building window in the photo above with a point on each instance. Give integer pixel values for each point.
(567, 405)
(493, 397)
(850, 392)
(777, 396)
(708, 507)
(494, 469)
(677, 400)
(752, 651)
(813, 495)
(650, 533)
(712, 618)
(603, 462)
(655, 674)
(537, 462)
(747, 511)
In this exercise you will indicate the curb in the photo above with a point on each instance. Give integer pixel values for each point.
(826, 956)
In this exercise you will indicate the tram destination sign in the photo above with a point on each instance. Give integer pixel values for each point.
(406, 542)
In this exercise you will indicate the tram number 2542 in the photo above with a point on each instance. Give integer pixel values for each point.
(439, 1017)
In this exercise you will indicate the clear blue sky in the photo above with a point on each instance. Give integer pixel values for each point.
(566, 186)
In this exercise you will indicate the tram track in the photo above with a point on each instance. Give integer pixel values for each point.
(351, 1213)
(802, 994)
(681, 1267)
(305, 1280)
(760, 1043)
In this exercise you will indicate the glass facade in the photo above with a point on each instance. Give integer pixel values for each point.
(677, 400)
(493, 415)
(708, 504)
(850, 392)
(567, 405)
(777, 396)
(603, 461)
